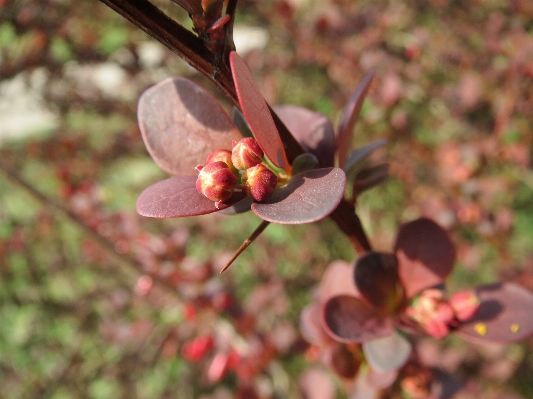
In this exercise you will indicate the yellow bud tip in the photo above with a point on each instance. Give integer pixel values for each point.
(515, 327)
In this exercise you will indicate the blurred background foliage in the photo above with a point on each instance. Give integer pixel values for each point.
(453, 95)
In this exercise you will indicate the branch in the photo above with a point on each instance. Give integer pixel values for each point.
(182, 42)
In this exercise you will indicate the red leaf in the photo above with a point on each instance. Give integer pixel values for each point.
(182, 124)
(177, 197)
(309, 196)
(337, 280)
(349, 117)
(348, 319)
(425, 255)
(376, 279)
(312, 130)
(503, 316)
(344, 361)
(256, 112)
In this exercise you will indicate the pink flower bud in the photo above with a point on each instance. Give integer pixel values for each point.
(216, 181)
(246, 153)
(223, 156)
(465, 305)
(432, 312)
(259, 182)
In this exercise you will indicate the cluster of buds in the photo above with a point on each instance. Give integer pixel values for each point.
(437, 316)
(242, 168)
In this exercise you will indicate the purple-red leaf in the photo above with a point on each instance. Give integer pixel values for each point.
(337, 280)
(256, 111)
(376, 279)
(503, 316)
(425, 255)
(181, 124)
(387, 353)
(349, 117)
(312, 130)
(178, 197)
(348, 319)
(360, 154)
(309, 196)
(311, 325)
(344, 361)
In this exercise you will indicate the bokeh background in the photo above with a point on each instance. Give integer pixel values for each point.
(80, 316)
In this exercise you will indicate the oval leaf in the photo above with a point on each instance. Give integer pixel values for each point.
(349, 117)
(337, 280)
(309, 196)
(348, 319)
(181, 124)
(504, 315)
(311, 325)
(376, 279)
(387, 353)
(425, 255)
(178, 197)
(312, 130)
(256, 111)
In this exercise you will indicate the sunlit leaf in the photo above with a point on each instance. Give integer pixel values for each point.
(337, 280)
(349, 117)
(181, 124)
(308, 197)
(177, 197)
(360, 154)
(387, 353)
(311, 325)
(257, 113)
(504, 315)
(348, 319)
(376, 279)
(312, 130)
(425, 255)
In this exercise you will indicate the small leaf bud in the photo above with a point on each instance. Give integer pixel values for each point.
(216, 181)
(465, 305)
(223, 156)
(303, 163)
(246, 153)
(259, 182)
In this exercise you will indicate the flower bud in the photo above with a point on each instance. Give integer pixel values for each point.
(246, 153)
(259, 182)
(216, 181)
(432, 312)
(223, 156)
(465, 305)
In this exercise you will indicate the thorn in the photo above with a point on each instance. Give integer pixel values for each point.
(246, 243)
